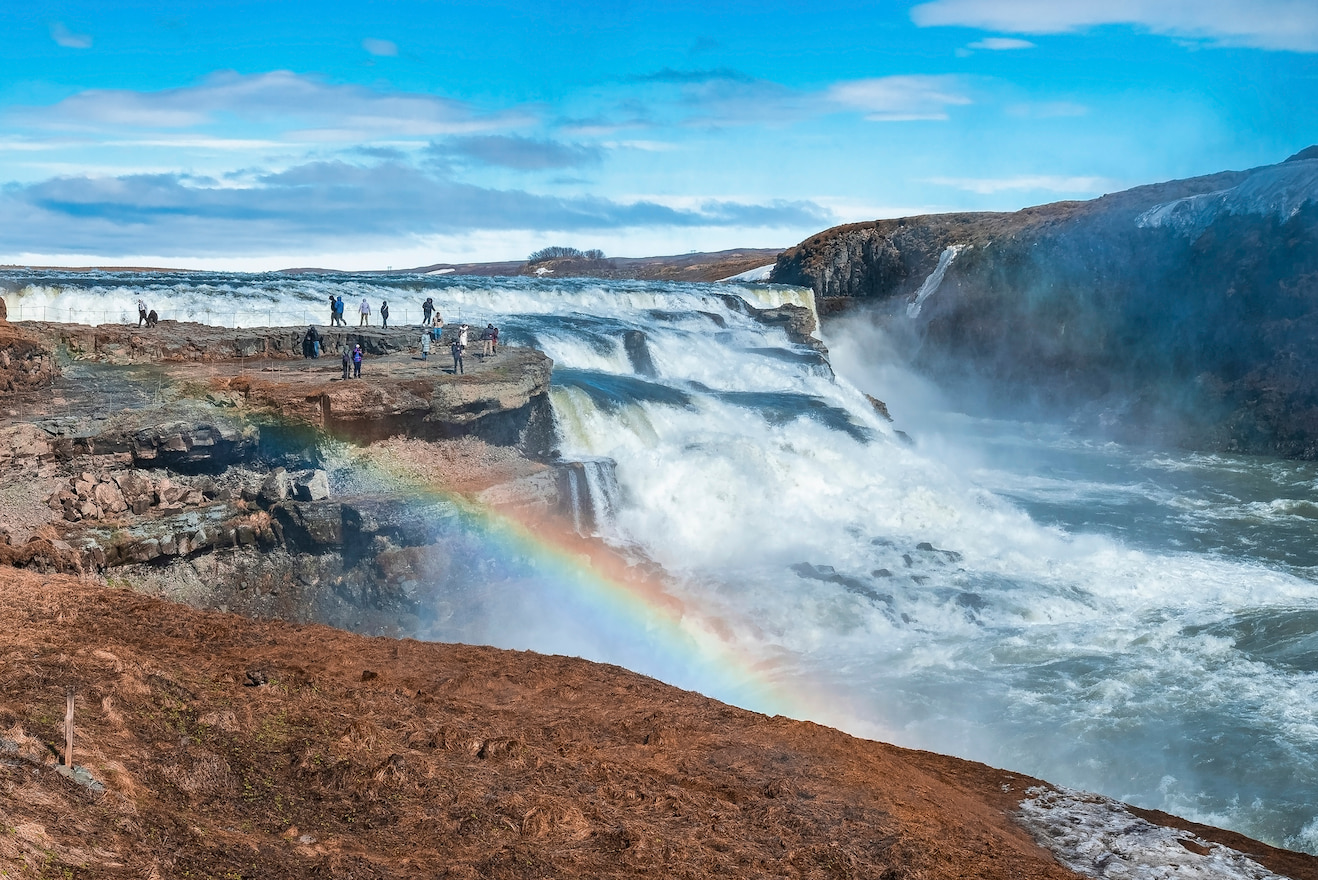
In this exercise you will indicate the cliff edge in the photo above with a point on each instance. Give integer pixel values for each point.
(1182, 312)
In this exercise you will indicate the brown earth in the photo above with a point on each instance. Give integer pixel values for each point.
(374, 758)
(236, 748)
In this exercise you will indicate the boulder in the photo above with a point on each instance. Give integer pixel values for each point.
(311, 486)
(276, 487)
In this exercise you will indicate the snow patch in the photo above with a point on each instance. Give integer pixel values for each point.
(935, 278)
(1281, 190)
(760, 274)
(1099, 837)
(442, 272)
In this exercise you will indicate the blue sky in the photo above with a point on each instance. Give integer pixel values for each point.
(247, 135)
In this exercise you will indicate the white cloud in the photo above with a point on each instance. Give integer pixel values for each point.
(1290, 25)
(67, 38)
(383, 48)
(287, 101)
(1032, 183)
(899, 98)
(1000, 44)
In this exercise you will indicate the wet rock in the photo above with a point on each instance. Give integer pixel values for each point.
(638, 352)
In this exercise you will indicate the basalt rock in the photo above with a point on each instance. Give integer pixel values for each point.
(1182, 312)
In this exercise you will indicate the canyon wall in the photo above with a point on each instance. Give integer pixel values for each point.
(1183, 312)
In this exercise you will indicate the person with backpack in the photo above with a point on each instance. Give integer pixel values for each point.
(426, 308)
(357, 361)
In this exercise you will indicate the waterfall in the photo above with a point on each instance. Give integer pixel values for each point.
(933, 281)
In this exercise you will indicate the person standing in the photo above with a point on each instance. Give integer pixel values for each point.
(462, 336)
(487, 340)
(334, 312)
(456, 348)
(494, 339)
(338, 311)
(427, 308)
(365, 310)
(357, 361)
(141, 311)
(384, 314)
(425, 345)
(347, 361)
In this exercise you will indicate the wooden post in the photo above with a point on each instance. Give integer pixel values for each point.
(68, 726)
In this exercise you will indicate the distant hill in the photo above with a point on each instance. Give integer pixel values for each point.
(1182, 312)
(682, 267)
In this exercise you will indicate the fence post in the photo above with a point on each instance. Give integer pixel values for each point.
(68, 726)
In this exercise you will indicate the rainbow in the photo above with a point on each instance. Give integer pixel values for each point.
(610, 595)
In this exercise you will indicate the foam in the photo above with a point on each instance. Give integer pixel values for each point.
(1098, 837)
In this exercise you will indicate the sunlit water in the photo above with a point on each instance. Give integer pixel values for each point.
(1135, 622)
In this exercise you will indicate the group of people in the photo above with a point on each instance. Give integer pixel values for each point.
(431, 320)
(149, 318)
(337, 307)
(458, 347)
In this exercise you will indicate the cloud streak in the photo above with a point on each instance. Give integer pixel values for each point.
(317, 204)
(899, 98)
(279, 99)
(67, 38)
(1289, 25)
(519, 153)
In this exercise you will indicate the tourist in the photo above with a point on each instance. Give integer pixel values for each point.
(427, 308)
(365, 309)
(462, 336)
(338, 311)
(347, 361)
(357, 361)
(384, 314)
(456, 348)
(334, 311)
(487, 341)
(141, 311)
(311, 343)
(425, 345)
(494, 339)
(152, 319)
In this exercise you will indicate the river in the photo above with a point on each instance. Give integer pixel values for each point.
(1142, 623)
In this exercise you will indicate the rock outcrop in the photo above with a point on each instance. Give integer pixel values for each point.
(175, 459)
(1184, 311)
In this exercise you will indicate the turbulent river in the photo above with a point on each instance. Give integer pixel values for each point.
(1141, 623)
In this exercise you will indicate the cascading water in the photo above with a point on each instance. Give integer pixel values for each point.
(1143, 624)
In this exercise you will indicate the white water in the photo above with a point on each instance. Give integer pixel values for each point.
(932, 283)
(1141, 624)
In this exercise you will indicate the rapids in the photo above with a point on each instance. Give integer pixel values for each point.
(1140, 623)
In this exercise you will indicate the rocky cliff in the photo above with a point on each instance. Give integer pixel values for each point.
(1185, 311)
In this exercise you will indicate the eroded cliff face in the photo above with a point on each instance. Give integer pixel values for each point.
(1185, 312)
(218, 468)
